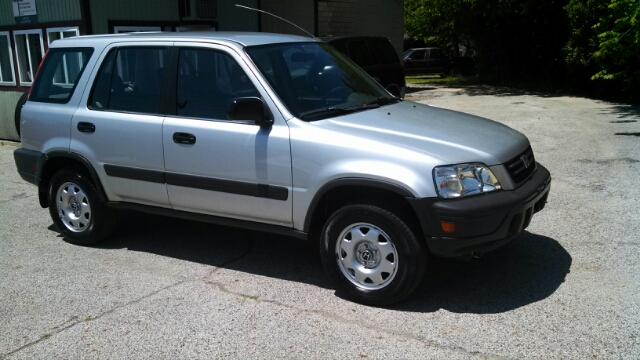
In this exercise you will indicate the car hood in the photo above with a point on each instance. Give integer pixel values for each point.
(451, 136)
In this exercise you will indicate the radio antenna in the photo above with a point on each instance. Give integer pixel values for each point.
(275, 16)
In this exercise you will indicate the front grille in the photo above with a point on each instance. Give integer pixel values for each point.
(521, 166)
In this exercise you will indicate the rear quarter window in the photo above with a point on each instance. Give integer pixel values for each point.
(59, 74)
(384, 51)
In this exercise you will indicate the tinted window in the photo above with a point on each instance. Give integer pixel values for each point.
(417, 55)
(60, 72)
(207, 82)
(130, 80)
(435, 54)
(384, 51)
(359, 53)
(341, 46)
(331, 81)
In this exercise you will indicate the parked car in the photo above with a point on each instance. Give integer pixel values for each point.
(433, 61)
(276, 133)
(376, 56)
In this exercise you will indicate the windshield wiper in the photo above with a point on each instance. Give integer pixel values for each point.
(339, 110)
(383, 100)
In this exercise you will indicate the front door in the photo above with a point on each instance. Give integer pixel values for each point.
(217, 166)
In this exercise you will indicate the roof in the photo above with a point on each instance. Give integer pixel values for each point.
(241, 39)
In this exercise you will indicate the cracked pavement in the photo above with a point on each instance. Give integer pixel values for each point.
(170, 288)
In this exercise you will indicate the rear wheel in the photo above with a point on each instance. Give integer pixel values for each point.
(372, 255)
(76, 209)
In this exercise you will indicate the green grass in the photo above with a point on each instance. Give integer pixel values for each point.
(436, 80)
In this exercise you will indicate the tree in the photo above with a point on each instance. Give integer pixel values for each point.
(511, 38)
(583, 39)
(438, 22)
(618, 54)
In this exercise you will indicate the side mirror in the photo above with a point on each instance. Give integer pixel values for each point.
(251, 109)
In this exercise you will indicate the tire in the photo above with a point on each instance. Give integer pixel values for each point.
(21, 102)
(76, 209)
(372, 255)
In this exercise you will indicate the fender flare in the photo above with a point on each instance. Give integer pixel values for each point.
(333, 184)
(42, 188)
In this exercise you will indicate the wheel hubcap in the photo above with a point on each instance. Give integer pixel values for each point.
(366, 256)
(73, 207)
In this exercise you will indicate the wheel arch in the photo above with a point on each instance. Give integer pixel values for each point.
(56, 160)
(340, 192)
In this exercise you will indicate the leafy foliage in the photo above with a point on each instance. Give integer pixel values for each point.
(583, 42)
(618, 54)
(572, 41)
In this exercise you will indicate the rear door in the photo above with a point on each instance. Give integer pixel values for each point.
(417, 62)
(217, 166)
(436, 61)
(118, 128)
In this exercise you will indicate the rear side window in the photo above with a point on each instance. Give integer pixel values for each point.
(418, 55)
(384, 51)
(359, 53)
(60, 72)
(130, 80)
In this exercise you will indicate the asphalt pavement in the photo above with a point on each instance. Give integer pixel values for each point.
(167, 288)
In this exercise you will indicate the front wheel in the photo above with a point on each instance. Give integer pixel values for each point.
(372, 255)
(76, 209)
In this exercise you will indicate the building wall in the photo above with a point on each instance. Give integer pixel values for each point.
(138, 11)
(336, 18)
(362, 17)
(232, 18)
(300, 12)
(381, 18)
(8, 101)
(48, 11)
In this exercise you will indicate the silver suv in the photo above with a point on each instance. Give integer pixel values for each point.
(277, 133)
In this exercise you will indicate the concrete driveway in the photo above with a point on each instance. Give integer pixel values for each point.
(166, 288)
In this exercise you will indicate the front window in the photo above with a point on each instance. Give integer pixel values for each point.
(207, 82)
(315, 81)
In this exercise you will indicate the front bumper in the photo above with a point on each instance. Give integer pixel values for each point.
(482, 222)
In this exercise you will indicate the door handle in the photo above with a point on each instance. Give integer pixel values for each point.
(86, 127)
(184, 138)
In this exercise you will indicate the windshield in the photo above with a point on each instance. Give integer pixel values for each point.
(315, 81)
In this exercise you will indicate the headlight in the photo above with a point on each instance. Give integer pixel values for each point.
(463, 180)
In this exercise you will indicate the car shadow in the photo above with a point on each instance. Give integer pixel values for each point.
(528, 269)
(484, 90)
(253, 252)
(524, 271)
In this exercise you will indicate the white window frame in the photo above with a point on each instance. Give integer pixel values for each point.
(125, 29)
(60, 31)
(32, 71)
(10, 51)
(195, 28)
